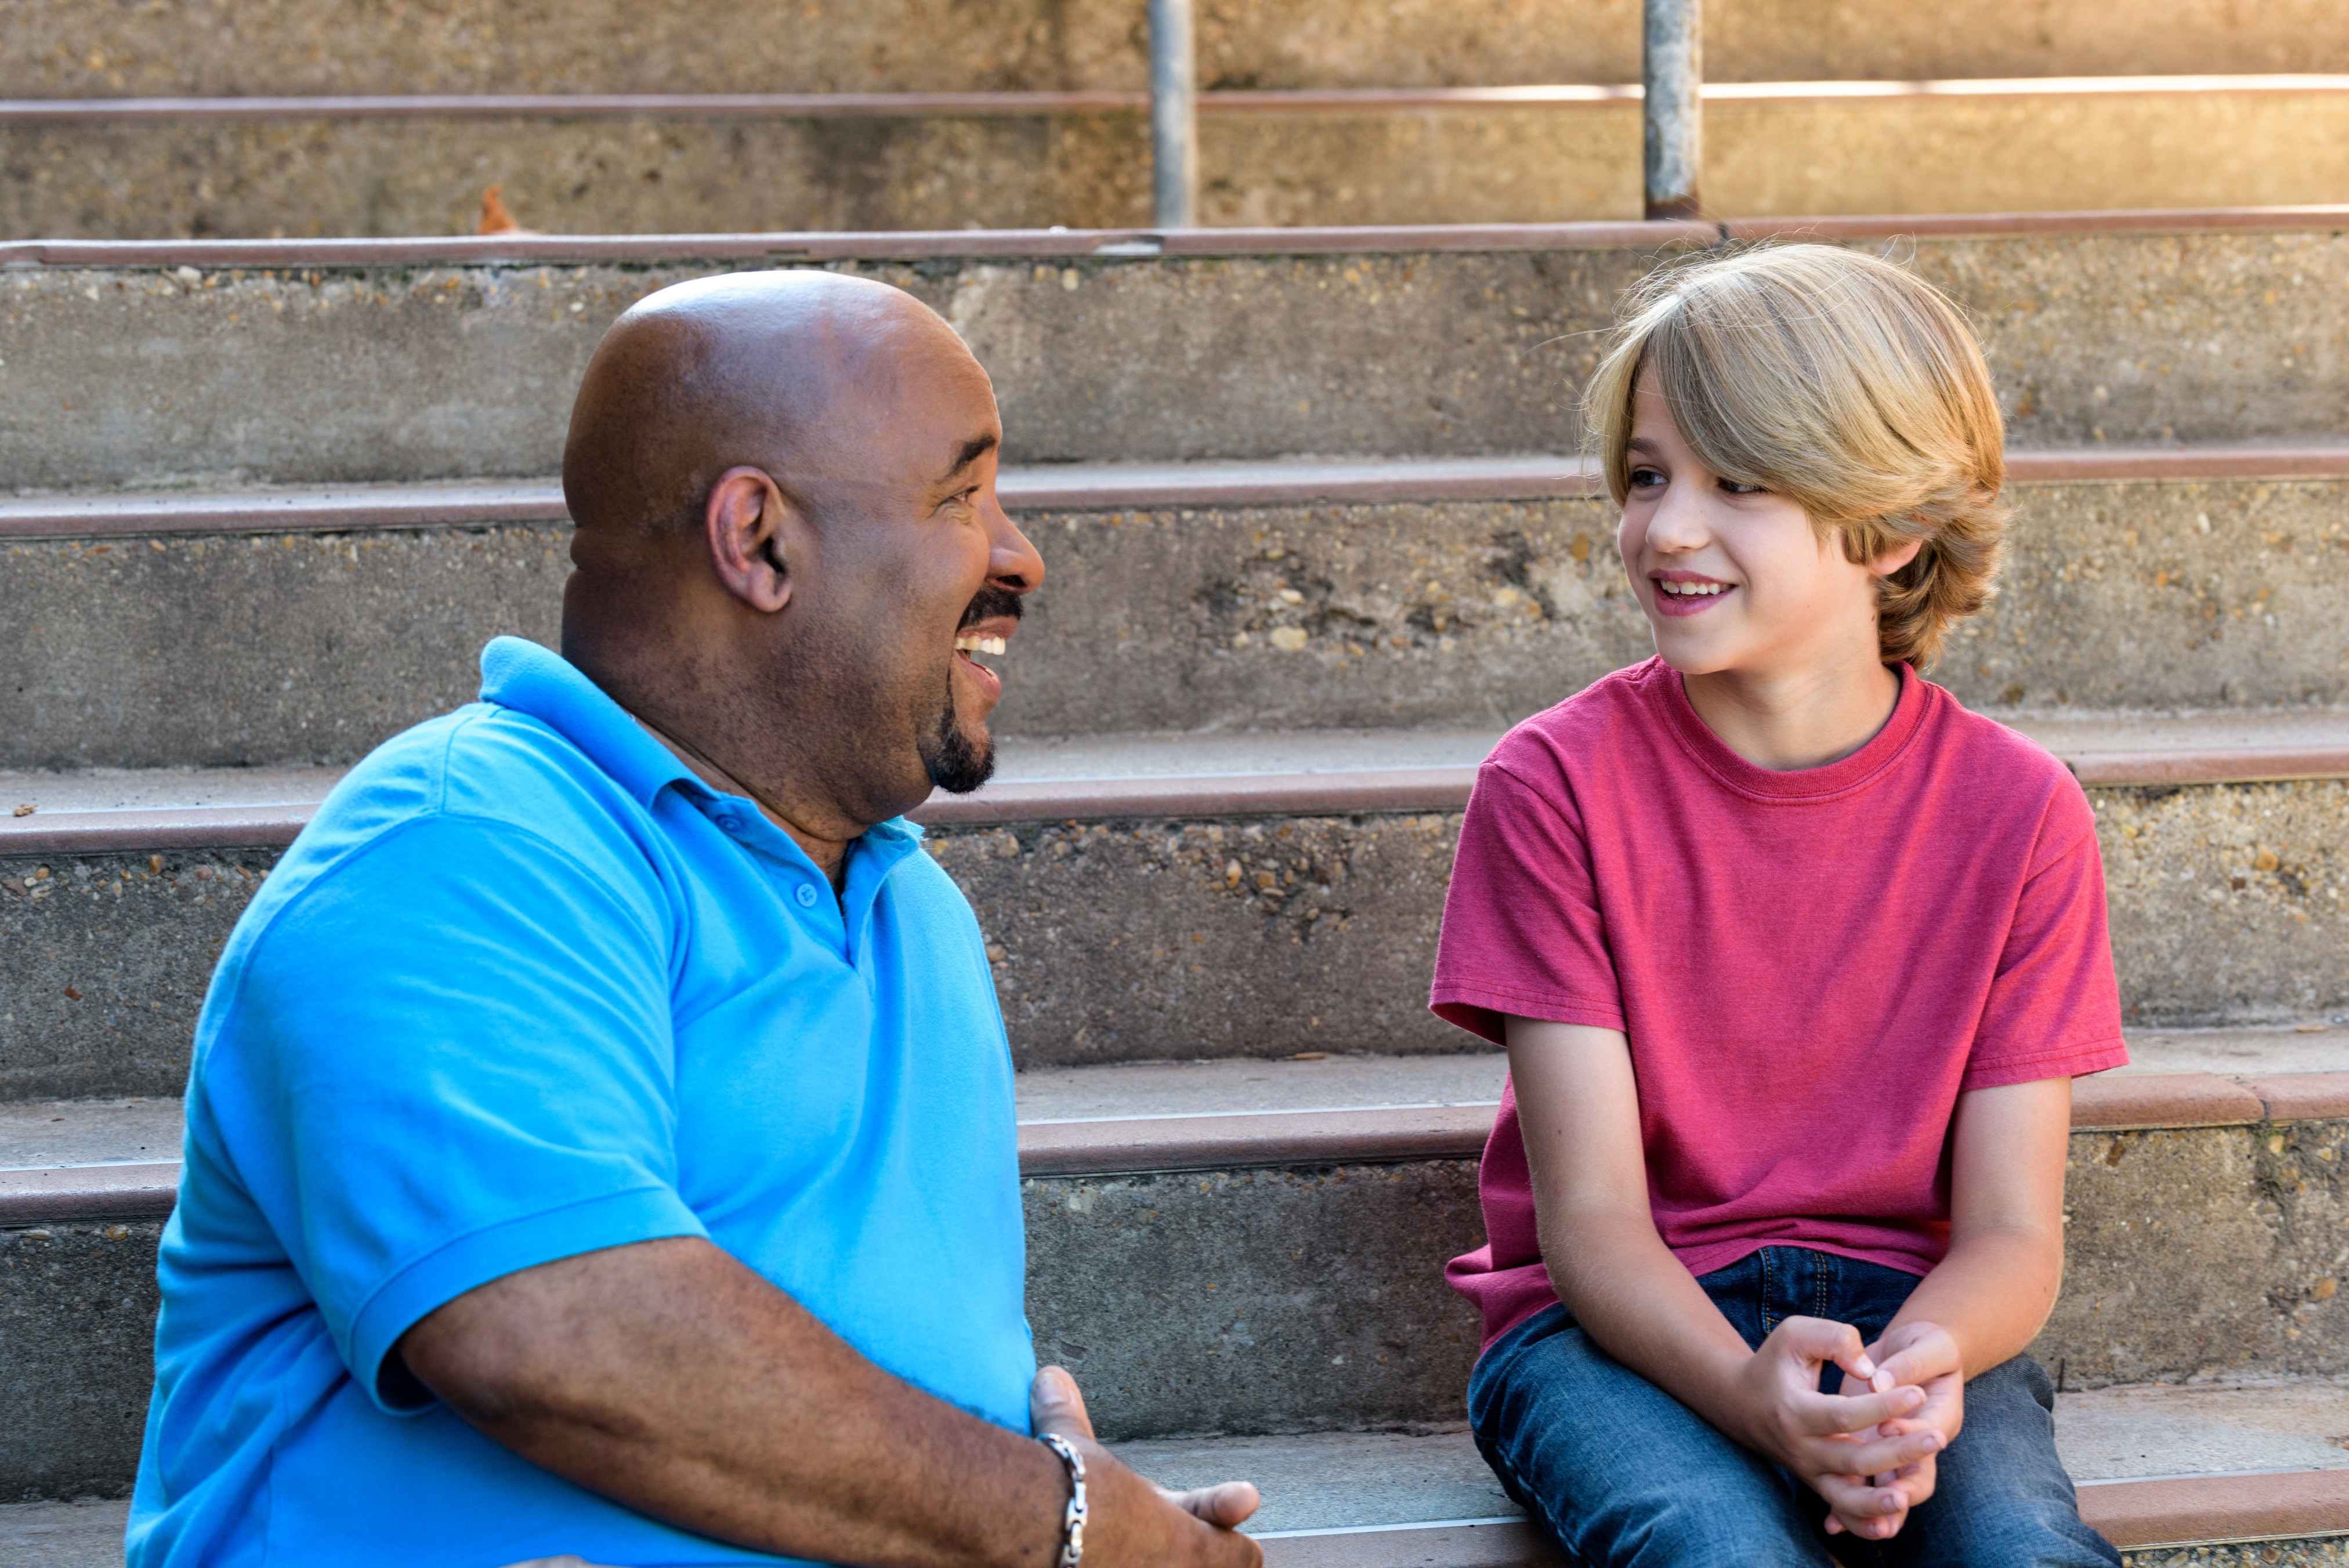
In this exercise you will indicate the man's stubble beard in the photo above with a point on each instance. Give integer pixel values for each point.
(955, 763)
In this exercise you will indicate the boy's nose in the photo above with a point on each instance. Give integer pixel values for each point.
(1678, 523)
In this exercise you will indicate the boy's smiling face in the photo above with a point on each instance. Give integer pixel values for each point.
(1733, 578)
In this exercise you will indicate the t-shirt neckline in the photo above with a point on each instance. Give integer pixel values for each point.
(1839, 776)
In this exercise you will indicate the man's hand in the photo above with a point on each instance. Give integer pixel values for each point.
(1917, 1355)
(1132, 1520)
(1838, 1445)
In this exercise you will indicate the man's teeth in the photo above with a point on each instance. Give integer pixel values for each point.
(1691, 589)
(980, 644)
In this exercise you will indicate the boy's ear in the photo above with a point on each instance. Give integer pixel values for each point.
(1894, 558)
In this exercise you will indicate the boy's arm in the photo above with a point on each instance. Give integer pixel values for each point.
(1990, 1296)
(1579, 1109)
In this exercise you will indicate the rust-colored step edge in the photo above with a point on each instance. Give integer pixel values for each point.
(2135, 1516)
(1225, 101)
(1333, 794)
(363, 508)
(1380, 1136)
(913, 245)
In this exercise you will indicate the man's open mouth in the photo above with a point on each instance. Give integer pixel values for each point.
(979, 645)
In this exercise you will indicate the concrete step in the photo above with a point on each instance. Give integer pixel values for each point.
(307, 625)
(60, 48)
(1291, 1220)
(2250, 1482)
(328, 362)
(111, 168)
(1143, 908)
(2219, 1518)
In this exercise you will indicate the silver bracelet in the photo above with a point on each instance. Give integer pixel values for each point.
(1072, 1523)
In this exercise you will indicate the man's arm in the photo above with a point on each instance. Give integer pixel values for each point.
(666, 1375)
(1579, 1109)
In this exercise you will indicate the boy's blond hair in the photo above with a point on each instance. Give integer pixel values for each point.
(1843, 383)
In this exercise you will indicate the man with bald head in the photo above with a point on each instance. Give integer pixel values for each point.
(600, 1136)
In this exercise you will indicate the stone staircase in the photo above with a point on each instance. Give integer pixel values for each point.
(333, 118)
(270, 497)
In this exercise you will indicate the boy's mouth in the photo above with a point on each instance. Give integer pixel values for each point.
(1686, 594)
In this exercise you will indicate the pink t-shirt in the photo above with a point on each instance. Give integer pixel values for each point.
(1810, 966)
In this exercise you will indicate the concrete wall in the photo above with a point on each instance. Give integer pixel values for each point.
(62, 49)
(1779, 158)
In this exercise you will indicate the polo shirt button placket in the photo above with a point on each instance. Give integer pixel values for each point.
(805, 894)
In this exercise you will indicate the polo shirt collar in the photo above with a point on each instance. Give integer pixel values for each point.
(530, 679)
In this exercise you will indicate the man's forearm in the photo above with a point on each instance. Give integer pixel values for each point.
(668, 1377)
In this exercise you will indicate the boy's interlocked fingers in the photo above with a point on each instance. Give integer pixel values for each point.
(1840, 1444)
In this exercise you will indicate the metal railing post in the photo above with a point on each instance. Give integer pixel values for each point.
(1672, 73)
(1174, 115)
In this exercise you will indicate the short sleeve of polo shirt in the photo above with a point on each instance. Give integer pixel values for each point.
(1522, 931)
(2053, 1008)
(449, 1059)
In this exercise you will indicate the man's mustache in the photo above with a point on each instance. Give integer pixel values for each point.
(993, 604)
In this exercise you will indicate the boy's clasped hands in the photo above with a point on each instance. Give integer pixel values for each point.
(1869, 1450)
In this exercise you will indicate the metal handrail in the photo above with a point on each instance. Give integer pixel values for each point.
(1671, 110)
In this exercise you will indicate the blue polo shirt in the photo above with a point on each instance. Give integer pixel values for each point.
(524, 988)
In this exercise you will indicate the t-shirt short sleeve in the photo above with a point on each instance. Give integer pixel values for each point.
(1522, 932)
(449, 1059)
(2054, 1009)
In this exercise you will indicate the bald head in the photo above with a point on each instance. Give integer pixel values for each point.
(791, 372)
(790, 545)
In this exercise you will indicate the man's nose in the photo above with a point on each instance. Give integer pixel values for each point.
(1013, 561)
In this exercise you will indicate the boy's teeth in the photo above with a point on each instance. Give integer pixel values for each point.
(1693, 590)
(980, 645)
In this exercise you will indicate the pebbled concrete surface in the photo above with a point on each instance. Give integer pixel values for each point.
(1257, 1300)
(312, 648)
(110, 962)
(2226, 902)
(71, 48)
(2202, 1254)
(234, 652)
(122, 377)
(77, 1354)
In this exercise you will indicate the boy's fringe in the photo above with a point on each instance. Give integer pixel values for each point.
(1843, 382)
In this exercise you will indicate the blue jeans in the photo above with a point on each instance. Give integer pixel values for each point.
(1621, 1473)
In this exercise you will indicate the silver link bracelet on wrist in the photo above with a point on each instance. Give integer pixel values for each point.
(1072, 1523)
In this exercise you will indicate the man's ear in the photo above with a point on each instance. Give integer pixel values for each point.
(1894, 558)
(749, 526)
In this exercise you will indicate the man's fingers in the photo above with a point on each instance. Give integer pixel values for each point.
(1228, 1505)
(1055, 1405)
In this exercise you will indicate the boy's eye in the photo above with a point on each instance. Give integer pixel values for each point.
(1645, 479)
(1735, 487)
